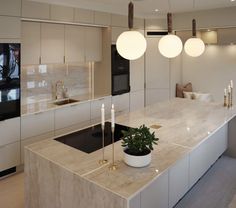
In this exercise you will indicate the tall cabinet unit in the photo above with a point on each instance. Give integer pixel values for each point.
(157, 73)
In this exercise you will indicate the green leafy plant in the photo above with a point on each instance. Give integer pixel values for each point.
(138, 141)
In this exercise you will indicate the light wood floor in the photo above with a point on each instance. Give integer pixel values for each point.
(12, 191)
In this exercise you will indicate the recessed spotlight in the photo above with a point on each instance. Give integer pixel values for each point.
(156, 10)
(232, 0)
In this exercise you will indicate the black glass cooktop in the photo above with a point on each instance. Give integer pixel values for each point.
(90, 139)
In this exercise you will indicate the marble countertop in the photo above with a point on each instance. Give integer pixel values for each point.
(47, 105)
(185, 124)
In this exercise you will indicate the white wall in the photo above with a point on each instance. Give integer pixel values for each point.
(212, 71)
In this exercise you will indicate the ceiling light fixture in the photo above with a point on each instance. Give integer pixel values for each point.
(170, 45)
(156, 10)
(194, 46)
(131, 44)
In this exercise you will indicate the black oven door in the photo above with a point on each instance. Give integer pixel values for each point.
(9, 103)
(120, 84)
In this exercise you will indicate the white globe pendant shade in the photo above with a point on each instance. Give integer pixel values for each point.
(194, 47)
(131, 45)
(170, 46)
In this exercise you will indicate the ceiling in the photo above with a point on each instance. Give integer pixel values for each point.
(145, 8)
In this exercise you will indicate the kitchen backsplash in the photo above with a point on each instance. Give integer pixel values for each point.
(38, 81)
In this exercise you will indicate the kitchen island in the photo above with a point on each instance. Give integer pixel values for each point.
(192, 135)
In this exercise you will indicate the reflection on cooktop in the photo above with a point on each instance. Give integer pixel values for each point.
(90, 139)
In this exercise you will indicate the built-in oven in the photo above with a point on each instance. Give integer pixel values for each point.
(120, 73)
(9, 80)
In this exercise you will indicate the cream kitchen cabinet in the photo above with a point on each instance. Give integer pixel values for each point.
(74, 44)
(115, 32)
(35, 10)
(156, 194)
(12, 28)
(84, 16)
(136, 100)
(62, 13)
(96, 109)
(93, 43)
(102, 18)
(30, 39)
(9, 143)
(9, 156)
(72, 117)
(178, 180)
(121, 103)
(37, 125)
(10, 131)
(10, 8)
(52, 43)
(157, 73)
(206, 154)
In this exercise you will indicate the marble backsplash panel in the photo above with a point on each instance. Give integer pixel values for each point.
(38, 81)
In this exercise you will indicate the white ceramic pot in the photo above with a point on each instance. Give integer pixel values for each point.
(137, 161)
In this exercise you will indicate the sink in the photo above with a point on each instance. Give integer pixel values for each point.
(64, 102)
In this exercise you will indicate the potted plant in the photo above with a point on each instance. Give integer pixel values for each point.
(138, 144)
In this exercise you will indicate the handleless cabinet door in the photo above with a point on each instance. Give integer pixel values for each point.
(74, 44)
(31, 9)
(136, 100)
(93, 40)
(30, 37)
(156, 194)
(10, 131)
(37, 124)
(72, 115)
(52, 43)
(96, 109)
(121, 103)
(9, 156)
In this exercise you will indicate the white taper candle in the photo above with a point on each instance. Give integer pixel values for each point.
(103, 115)
(112, 116)
(231, 84)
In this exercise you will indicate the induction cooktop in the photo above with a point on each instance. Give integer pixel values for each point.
(90, 139)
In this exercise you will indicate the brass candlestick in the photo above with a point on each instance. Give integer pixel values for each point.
(103, 160)
(229, 100)
(231, 97)
(113, 166)
(225, 100)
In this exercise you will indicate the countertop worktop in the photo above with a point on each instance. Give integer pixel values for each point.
(184, 125)
(42, 106)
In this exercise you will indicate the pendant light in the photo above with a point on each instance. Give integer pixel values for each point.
(170, 45)
(194, 46)
(131, 44)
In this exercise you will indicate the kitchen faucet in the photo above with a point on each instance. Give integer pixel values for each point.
(63, 92)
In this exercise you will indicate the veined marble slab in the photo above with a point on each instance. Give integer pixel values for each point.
(185, 124)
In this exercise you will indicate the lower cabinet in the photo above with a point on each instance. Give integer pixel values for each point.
(96, 109)
(156, 194)
(72, 117)
(207, 153)
(178, 180)
(9, 156)
(136, 100)
(121, 103)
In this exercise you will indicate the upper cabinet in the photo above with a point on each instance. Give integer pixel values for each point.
(10, 8)
(35, 10)
(74, 44)
(52, 43)
(30, 39)
(46, 43)
(62, 13)
(102, 18)
(84, 16)
(93, 41)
